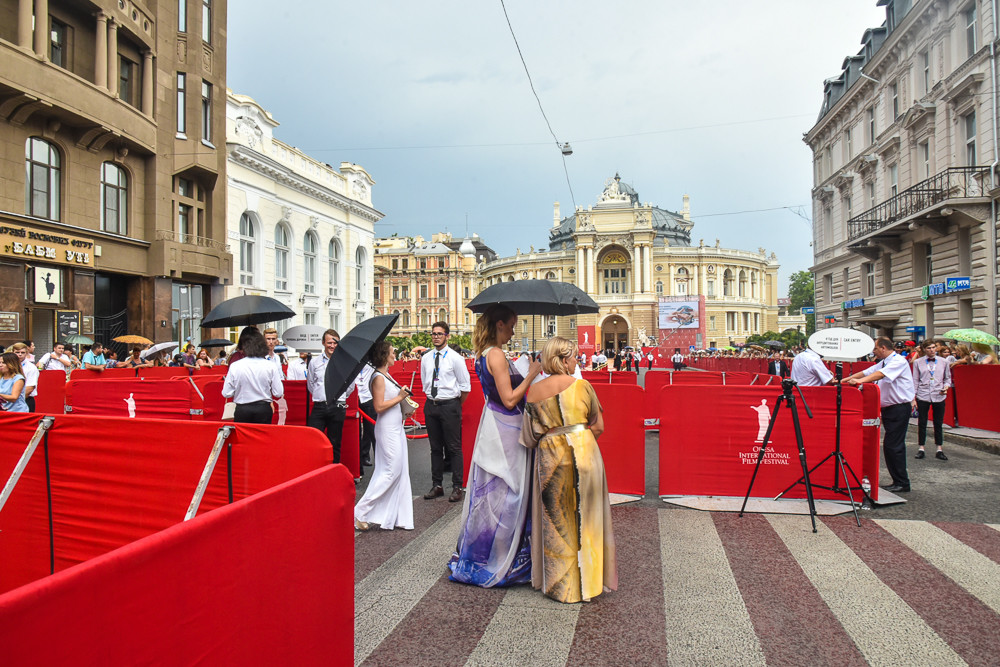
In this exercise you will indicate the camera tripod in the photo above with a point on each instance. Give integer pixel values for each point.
(788, 397)
(842, 466)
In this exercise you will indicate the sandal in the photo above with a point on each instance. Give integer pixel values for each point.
(360, 525)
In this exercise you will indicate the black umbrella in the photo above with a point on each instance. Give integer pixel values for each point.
(353, 353)
(535, 297)
(245, 310)
(216, 342)
(774, 343)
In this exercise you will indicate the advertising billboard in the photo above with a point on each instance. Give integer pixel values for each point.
(678, 313)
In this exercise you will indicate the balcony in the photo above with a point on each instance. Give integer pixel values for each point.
(175, 255)
(928, 199)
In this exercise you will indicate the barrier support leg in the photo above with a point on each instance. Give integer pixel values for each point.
(206, 474)
(43, 426)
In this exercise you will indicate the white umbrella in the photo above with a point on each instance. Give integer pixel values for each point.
(159, 347)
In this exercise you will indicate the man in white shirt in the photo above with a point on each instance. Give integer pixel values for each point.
(931, 379)
(56, 360)
(808, 370)
(677, 359)
(297, 367)
(327, 415)
(895, 383)
(447, 384)
(367, 406)
(271, 338)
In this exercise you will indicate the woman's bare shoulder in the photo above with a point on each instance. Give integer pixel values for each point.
(549, 387)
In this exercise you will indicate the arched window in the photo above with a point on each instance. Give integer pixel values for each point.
(442, 315)
(753, 284)
(405, 318)
(550, 275)
(659, 287)
(510, 278)
(681, 282)
(114, 199)
(743, 283)
(281, 242)
(613, 269)
(309, 244)
(359, 274)
(43, 184)
(727, 283)
(424, 318)
(334, 259)
(248, 249)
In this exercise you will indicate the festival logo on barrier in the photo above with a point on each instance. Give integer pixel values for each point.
(771, 457)
(586, 337)
(130, 404)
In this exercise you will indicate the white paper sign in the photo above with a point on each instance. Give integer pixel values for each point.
(841, 344)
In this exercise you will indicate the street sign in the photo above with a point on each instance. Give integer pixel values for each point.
(916, 330)
(808, 310)
(957, 284)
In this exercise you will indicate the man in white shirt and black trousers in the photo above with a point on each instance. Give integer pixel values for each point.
(446, 384)
(367, 406)
(327, 415)
(895, 383)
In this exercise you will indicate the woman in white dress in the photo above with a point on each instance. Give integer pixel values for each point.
(388, 500)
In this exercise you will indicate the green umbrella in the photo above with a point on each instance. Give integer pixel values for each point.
(971, 336)
(78, 339)
(727, 347)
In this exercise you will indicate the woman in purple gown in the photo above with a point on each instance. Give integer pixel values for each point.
(493, 547)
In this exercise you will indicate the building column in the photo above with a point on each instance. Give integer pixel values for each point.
(579, 269)
(112, 57)
(147, 82)
(24, 13)
(42, 29)
(592, 270)
(101, 52)
(648, 259)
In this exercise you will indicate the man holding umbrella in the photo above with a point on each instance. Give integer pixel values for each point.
(327, 415)
(447, 384)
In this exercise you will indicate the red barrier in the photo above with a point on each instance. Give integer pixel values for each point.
(472, 413)
(110, 373)
(51, 399)
(976, 396)
(116, 480)
(871, 431)
(211, 370)
(241, 585)
(160, 372)
(293, 404)
(596, 377)
(214, 403)
(625, 377)
(150, 399)
(350, 440)
(623, 443)
(654, 381)
(709, 440)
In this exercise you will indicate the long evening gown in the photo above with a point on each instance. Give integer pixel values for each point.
(572, 542)
(493, 546)
(388, 500)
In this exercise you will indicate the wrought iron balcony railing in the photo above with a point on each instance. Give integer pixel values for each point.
(191, 239)
(952, 183)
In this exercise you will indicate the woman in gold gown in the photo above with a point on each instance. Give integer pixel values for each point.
(572, 542)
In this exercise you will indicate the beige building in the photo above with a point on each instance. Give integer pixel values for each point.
(301, 230)
(425, 282)
(111, 221)
(637, 262)
(904, 197)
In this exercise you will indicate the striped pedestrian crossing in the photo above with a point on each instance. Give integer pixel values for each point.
(699, 588)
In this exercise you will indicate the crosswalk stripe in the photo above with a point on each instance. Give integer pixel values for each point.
(386, 596)
(707, 621)
(864, 606)
(527, 628)
(971, 570)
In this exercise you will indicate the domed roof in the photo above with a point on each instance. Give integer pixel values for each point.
(467, 248)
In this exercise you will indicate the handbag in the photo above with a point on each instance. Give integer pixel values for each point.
(229, 412)
(407, 406)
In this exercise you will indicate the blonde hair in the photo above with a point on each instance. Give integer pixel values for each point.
(554, 352)
(17, 346)
(485, 333)
(983, 348)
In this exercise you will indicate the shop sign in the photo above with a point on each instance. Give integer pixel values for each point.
(957, 284)
(10, 322)
(934, 289)
(853, 303)
(40, 246)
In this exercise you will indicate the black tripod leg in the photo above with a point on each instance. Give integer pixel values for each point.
(850, 495)
(802, 460)
(760, 454)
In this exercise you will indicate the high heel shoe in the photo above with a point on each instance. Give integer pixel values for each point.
(360, 525)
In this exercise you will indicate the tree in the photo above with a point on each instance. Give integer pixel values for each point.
(802, 293)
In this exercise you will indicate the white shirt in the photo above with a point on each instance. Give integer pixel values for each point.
(897, 385)
(930, 377)
(452, 377)
(808, 370)
(275, 359)
(50, 362)
(316, 376)
(31, 376)
(253, 379)
(297, 369)
(677, 358)
(362, 384)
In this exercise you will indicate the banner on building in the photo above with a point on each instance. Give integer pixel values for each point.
(678, 313)
(586, 339)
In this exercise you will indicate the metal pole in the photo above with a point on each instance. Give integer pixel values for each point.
(206, 474)
(43, 425)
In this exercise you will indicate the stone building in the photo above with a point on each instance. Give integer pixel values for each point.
(112, 220)
(428, 282)
(301, 230)
(904, 196)
(653, 287)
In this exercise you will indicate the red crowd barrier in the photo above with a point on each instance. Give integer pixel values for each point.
(240, 585)
(623, 443)
(159, 372)
(975, 396)
(150, 399)
(116, 480)
(709, 440)
(472, 413)
(871, 432)
(110, 373)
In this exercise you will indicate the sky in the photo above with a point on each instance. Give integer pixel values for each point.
(431, 98)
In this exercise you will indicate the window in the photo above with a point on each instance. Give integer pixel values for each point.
(868, 269)
(659, 287)
(964, 251)
(871, 194)
(425, 319)
(182, 16)
(828, 287)
(309, 262)
(730, 321)
(181, 103)
(405, 318)
(466, 293)
(423, 264)
(423, 291)
(248, 247)
(442, 315)
(184, 223)
(848, 208)
(406, 264)
(743, 283)
(614, 281)
(727, 283)
(710, 287)
(378, 292)
(928, 263)
(206, 111)
(206, 21)
(550, 275)
(893, 180)
(281, 244)
(756, 322)
(924, 155)
(395, 292)
(681, 282)
(42, 182)
(395, 265)
(360, 275)
(970, 139)
(753, 284)
(114, 199)
(711, 322)
(309, 318)
(894, 100)
(129, 87)
(848, 144)
(58, 32)
(871, 125)
(334, 261)
(971, 41)
(550, 326)
(925, 64)
(190, 198)
(406, 291)
(441, 290)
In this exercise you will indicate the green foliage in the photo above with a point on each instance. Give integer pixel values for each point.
(802, 292)
(421, 339)
(790, 337)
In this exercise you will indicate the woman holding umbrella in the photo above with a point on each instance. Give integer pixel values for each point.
(493, 547)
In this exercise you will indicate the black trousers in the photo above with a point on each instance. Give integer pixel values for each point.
(258, 412)
(30, 400)
(367, 430)
(328, 417)
(895, 419)
(922, 408)
(444, 430)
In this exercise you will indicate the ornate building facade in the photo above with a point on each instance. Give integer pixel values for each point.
(424, 282)
(302, 231)
(637, 262)
(112, 218)
(905, 187)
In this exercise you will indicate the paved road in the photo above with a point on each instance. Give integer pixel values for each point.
(917, 584)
